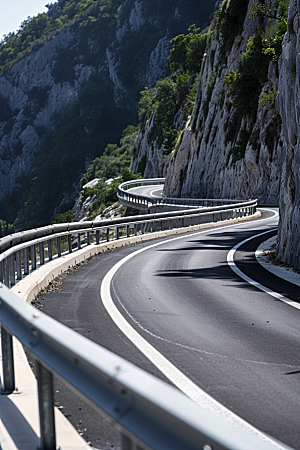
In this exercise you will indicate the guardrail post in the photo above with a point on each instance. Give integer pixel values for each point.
(107, 234)
(78, 241)
(6, 272)
(1, 272)
(42, 253)
(26, 261)
(88, 238)
(58, 243)
(8, 375)
(50, 256)
(19, 265)
(46, 408)
(12, 270)
(127, 230)
(70, 243)
(33, 257)
(117, 233)
(135, 229)
(97, 237)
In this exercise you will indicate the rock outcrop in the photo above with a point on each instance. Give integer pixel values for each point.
(288, 101)
(205, 164)
(46, 82)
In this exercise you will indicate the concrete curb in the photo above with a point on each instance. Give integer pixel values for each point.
(30, 286)
(23, 407)
(285, 273)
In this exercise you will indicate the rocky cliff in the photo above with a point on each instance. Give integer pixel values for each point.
(288, 100)
(224, 153)
(125, 43)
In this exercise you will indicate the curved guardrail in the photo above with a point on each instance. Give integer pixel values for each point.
(149, 413)
(143, 202)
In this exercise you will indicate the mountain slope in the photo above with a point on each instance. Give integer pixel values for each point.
(232, 145)
(70, 84)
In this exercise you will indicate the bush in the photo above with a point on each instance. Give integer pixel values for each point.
(244, 84)
(187, 51)
(229, 21)
(6, 228)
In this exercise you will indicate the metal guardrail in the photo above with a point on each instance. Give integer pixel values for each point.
(149, 413)
(143, 202)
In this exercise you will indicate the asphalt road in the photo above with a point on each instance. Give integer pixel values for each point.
(237, 343)
(147, 191)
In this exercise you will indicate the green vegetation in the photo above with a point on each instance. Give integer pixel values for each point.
(244, 87)
(175, 91)
(229, 20)
(277, 12)
(35, 31)
(6, 228)
(83, 131)
(187, 51)
(63, 153)
(66, 217)
(244, 84)
(113, 165)
(268, 98)
(272, 9)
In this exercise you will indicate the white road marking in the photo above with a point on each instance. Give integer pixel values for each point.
(156, 190)
(163, 364)
(231, 263)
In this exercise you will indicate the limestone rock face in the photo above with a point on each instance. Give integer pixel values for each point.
(148, 159)
(205, 165)
(288, 100)
(47, 81)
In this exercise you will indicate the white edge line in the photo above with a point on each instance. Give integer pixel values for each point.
(232, 265)
(180, 380)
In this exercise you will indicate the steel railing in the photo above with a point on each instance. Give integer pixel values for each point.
(149, 413)
(142, 202)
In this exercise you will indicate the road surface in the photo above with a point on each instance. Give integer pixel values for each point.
(235, 342)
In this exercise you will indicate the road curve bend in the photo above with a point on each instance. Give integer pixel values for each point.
(184, 315)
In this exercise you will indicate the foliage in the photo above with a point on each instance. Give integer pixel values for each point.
(66, 217)
(113, 165)
(6, 228)
(273, 46)
(229, 20)
(165, 100)
(34, 31)
(272, 9)
(190, 98)
(171, 13)
(277, 13)
(187, 51)
(244, 84)
(177, 91)
(138, 43)
(268, 97)
(83, 131)
(76, 137)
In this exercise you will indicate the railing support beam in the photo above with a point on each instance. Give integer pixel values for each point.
(46, 408)
(8, 375)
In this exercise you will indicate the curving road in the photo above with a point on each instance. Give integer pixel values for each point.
(227, 338)
(154, 191)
